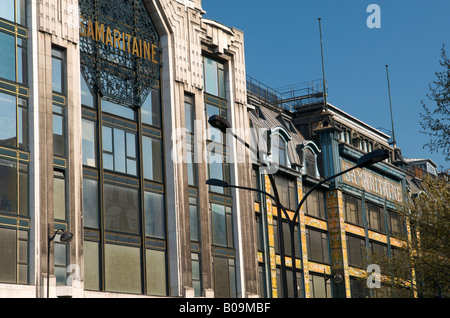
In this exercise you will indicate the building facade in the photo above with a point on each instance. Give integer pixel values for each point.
(104, 134)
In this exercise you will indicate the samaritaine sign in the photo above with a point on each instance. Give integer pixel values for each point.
(372, 183)
(120, 50)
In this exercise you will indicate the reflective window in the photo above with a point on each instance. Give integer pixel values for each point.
(152, 158)
(224, 277)
(89, 143)
(154, 215)
(320, 287)
(151, 109)
(59, 144)
(214, 75)
(122, 269)
(7, 11)
(86, 95)
(196, 277)
(356, 251)
(8, 248)
(7, 57)
(222, 227)
(121, 209)
(119, 150)
(317, 246)
(376, 217)
(90, 203)
(193, 220)
(91, 266)
(8, 120)
(8, 187)
(59, 196)
(315, 203)
(118, 110)
(156, 273)
(353, 210)
(58, 70)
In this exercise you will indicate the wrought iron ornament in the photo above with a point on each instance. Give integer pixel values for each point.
(120, 50)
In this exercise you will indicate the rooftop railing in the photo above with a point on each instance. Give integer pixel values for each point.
(287, 97)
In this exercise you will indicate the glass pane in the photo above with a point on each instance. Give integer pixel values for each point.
(118, 110)
(121, 209)
(23, 191)
(86, 96)
(21, 12)
(23, 127)
(22, 71)
(154, 215)
(219, 225)
(151, 109)
(8, 241)
(23, 251)
(119, 150)
(131, 145)
(23, 274)
(89, 147)
(221, 280)
(211, 77)
(8, 187)
(189, 117)
(214, 134)
(152, 155)
(7, 57)
(91, 266)
(90, 203)
(7, 119)
(156, 273)
(61, 276)
(107, 139)
(122, 269)
(108, 162)
(7, 10)
(60, 253)
(57, 76)
(59, 198)
(222, 89)
(58, 135)
(193, 221)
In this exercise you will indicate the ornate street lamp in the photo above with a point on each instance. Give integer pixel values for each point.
(65, 238)
(371, 158)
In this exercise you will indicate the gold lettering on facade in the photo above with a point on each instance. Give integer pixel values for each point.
(373, 183)
(117, 39)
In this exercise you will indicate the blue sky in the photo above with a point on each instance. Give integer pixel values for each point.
(282, 47)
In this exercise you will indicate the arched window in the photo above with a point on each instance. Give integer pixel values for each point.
(310, 151)
(279, 140)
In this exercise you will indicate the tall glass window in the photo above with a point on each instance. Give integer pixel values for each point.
(152, 154)
(13, 10)
(7, 57)
(59, 130)
(58, 70)
(315, 203)
(356, 251)
(353, 210)
(119, 150)
(376, 217)
(214, 75)
(318, 250)
(151, 109)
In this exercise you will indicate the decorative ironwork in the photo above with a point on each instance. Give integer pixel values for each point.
(119, 48)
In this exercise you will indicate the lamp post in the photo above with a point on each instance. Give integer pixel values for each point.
(369, 159)
(65, 238)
